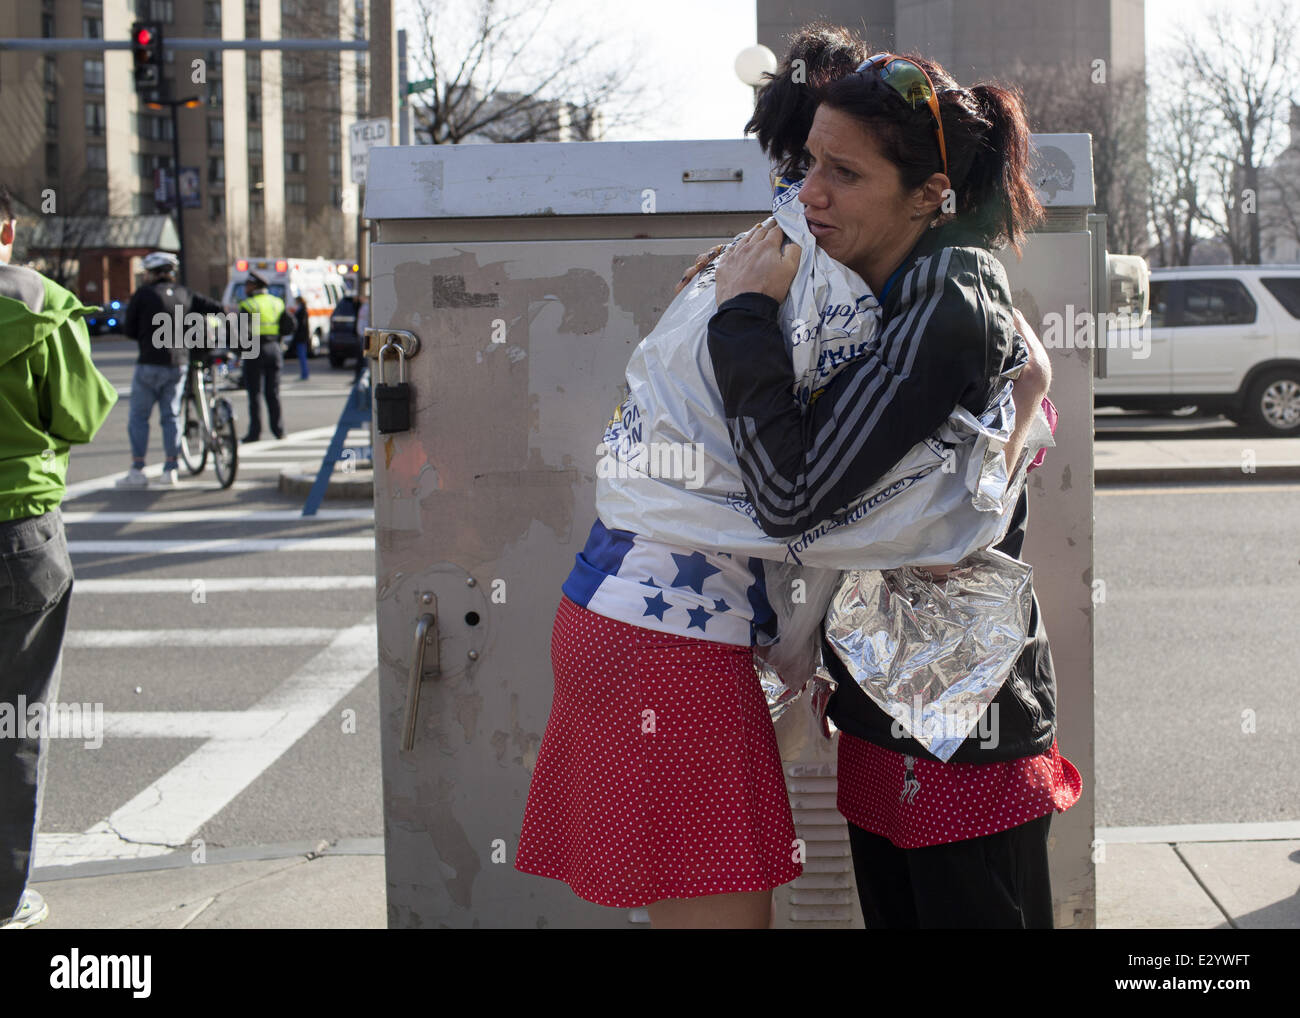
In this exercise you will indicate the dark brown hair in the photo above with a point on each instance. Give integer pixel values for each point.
(819, 53)
(6, 204)
(987, 137)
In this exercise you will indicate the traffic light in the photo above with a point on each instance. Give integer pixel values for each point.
(147, 51)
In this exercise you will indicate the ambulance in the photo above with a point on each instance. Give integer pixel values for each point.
(316, 280)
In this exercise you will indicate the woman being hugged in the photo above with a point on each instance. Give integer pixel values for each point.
(910, 181)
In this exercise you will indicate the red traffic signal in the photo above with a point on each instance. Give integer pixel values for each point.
(147, 54)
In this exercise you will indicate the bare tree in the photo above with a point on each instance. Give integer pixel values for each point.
(560, 86)
(1180, 145)
(1244, 66)
(1109, 105)
(1280, 197)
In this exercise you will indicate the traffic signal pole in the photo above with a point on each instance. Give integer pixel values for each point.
(174, 105)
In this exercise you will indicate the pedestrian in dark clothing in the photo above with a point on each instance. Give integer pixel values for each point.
(161, 363)
(301, 336)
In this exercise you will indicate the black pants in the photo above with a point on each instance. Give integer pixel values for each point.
(263, 374)
(35, 594)
(997, 882)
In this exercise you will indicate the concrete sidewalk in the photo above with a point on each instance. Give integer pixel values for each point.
(1186, 877)
(1131, 461)
(1189, 876)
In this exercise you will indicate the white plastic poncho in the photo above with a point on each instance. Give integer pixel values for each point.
(666, 469)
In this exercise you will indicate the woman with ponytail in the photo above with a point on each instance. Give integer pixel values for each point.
(911, 182)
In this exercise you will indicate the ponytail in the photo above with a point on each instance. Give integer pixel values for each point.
(1000, 197)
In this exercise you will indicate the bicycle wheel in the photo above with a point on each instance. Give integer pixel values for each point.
(194, 450)
(225, 446)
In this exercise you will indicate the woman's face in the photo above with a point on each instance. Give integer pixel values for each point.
(854, 199)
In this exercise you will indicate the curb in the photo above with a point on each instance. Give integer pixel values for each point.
(184, 858)
(358, 482)
(1194, 472)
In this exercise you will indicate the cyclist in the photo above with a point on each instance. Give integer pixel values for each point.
(160, 366)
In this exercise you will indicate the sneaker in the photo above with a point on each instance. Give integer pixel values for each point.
(250, 438)
(169, 478)
(31, 910)
(134, 479)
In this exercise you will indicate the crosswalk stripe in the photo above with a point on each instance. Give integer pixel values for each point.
(166, 516)
(251, 636)
(223, 545)
(171, 810)
(194, 724)
(108, 482)
(224, 584)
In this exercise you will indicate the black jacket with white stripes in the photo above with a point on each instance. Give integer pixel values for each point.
(946, 334)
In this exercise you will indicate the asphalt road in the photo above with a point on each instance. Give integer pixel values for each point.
(244, 699)
(187, 632)
(1198, 642)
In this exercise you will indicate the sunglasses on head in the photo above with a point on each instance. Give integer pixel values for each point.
(911, 82)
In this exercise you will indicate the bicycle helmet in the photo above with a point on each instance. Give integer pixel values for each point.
(161, 260)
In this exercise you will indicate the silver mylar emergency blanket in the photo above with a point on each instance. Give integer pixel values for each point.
(795, 663)
(933, 654)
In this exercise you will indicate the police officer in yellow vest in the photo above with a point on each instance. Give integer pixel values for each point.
(263, 372)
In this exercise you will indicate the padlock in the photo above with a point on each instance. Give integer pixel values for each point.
(393, 402)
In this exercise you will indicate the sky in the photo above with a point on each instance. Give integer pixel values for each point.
(684, 50)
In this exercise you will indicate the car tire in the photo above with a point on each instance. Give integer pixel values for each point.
(336, 361)
(1272, 404)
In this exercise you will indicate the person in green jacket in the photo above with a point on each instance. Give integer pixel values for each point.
(52, 397)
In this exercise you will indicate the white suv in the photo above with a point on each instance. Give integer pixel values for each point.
(1225, 338)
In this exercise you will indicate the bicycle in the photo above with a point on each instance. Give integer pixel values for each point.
(209, 422)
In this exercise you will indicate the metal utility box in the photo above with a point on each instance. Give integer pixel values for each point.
(526, 275)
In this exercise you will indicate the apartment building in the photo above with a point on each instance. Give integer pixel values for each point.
(268, 137)
(978, 40)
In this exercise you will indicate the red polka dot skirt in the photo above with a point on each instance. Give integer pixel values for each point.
(659, 774)
(916, 803)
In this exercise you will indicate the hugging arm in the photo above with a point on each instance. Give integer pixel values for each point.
(940, 348)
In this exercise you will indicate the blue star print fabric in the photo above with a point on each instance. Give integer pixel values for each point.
(708, 595)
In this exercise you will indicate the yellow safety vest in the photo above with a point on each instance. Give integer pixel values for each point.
(268, 308)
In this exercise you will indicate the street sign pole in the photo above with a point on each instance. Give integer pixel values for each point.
(363, 136)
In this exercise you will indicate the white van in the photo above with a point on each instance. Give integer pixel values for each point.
(316, 280)
(1223, 337)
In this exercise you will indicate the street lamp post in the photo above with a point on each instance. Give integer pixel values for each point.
(752, 62)
(174, 104)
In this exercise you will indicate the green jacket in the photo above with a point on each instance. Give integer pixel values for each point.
(51, 394)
